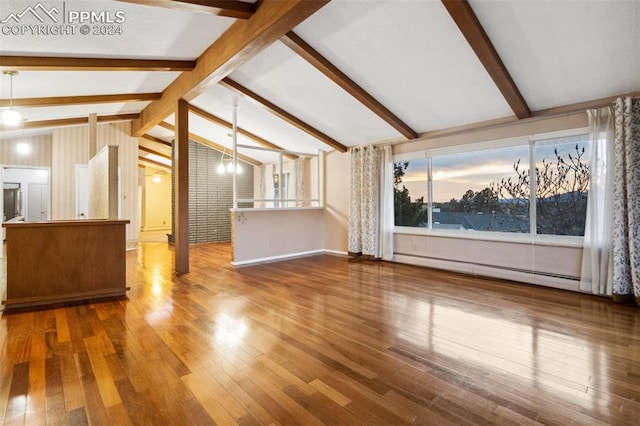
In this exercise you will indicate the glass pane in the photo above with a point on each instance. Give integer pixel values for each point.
(482, 190)
(562, 179)
(410, 193)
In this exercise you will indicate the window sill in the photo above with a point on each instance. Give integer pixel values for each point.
(270, 209)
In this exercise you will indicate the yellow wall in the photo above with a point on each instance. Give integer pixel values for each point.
(157, 201)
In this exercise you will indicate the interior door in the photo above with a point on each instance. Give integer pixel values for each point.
(38, 202)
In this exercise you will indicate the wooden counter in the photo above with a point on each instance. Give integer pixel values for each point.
(61, 261)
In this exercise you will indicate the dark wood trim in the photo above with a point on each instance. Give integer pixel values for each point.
(227, 8)
(221, 122)
(46, 63)
(155, 163)
(467, 21)
(73, 121)
(322, 64)
(80, 100)
(154, 152)
(243, 40)
(282, 114)
(181, 176)
(157, 140)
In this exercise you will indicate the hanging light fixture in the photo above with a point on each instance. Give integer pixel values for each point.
(226, 165)
(11, 117)
(221, 168)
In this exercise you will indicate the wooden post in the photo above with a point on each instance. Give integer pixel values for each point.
(181, 175)
(93, 135)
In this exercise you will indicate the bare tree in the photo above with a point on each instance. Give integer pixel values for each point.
(562, 187)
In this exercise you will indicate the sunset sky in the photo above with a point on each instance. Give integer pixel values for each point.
(454, 174)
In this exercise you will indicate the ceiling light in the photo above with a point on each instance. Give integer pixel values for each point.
(11, 117)
(23, 148)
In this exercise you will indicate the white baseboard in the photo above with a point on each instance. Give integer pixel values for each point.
(492, 272)
(336, 252)
(287, 256)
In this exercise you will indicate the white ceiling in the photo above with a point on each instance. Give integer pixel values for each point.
(409, 55)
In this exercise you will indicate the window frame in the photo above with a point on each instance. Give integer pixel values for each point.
(511, 237)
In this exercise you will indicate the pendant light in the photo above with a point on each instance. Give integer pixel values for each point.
(11, 117)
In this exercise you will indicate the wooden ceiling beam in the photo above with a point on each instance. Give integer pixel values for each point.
(80, 100)
(228, 8)
(223, 123)
(467, 21)
(154, 152)
(42, 63)
(157, 140)
(155, 163)
(284, 115)
(243, 40)
(322, 64)
(211, 144)
(74, 121)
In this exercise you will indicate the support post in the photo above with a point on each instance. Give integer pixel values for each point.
(181, 176)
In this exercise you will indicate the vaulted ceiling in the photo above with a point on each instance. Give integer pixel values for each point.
(306, 75)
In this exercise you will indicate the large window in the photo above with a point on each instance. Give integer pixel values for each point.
(410, 193)
(562, 185)
(538, 186)
(468, 195)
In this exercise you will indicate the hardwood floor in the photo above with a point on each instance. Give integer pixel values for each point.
(320, 340)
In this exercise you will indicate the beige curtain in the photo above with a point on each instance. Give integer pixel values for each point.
(597, 260)
(371, 202)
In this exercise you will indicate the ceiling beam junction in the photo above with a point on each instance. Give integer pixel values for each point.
(467, 21)
(243, 40)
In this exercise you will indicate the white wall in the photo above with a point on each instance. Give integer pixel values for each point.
(24, 177)
(542, 264)
(336, 200)
(261, 235)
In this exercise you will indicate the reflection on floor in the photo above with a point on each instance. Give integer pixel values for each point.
(154, 236)
(320, 340)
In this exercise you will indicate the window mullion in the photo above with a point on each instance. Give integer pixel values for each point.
(533, 175)
(429, 195)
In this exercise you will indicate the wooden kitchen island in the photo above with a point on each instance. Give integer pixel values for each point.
(61, 261)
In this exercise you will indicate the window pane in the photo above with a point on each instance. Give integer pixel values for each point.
(562, 179)
(482, 191)
(410, 193)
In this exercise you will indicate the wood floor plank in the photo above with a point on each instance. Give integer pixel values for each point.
(320, 340)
